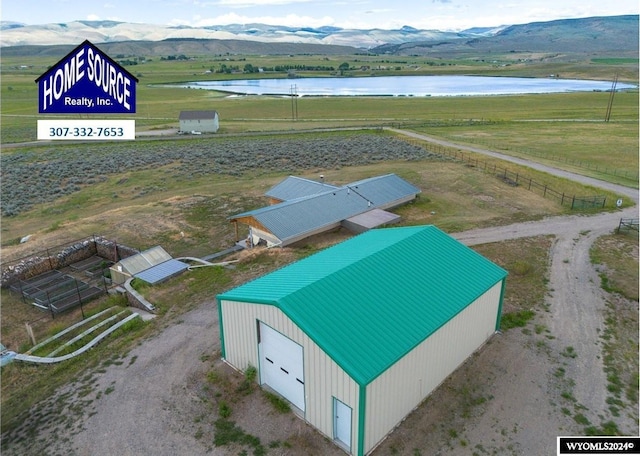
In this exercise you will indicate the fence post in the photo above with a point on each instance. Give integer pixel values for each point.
(573, 201)
(604, 201)
(49, 258)
(529, 183)
(545, 190)
(562, 200)
(24, 299)
(79, 298)
(30, 333)
(53, 315)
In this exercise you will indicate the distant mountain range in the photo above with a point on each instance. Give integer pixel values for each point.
(14, 34)
(612, 33)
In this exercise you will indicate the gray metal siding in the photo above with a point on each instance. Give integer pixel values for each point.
(296, 219)
(383, 191)
(295, 187)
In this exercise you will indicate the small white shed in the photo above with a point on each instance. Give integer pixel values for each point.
(199, 121)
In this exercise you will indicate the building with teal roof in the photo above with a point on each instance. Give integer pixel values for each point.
(356, 336)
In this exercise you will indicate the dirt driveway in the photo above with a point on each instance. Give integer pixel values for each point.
(151, 400)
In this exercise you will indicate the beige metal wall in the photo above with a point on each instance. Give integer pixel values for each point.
(402, 387)
(323, 378)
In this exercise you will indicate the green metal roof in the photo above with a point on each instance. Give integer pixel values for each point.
(371, 299)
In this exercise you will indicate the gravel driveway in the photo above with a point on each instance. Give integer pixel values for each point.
(150, 402)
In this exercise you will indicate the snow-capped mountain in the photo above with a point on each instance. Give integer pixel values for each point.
(14, 34)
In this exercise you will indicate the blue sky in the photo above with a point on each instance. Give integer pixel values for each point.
(424, 14)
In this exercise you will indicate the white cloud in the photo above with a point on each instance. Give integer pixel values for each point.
(93, 17)
(257, 3)
(292, 20)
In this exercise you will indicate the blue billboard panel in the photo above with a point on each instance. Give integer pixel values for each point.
(87, 81)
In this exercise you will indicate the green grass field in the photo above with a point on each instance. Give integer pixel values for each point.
(153, 203)
(564, 130)
(158, 106)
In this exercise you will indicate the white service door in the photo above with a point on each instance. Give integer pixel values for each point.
(342, 423)
(281, 365)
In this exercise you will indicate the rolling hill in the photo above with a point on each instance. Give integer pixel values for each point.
(612, 35)
(616, 35)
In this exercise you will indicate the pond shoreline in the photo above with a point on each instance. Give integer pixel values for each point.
(405, 86)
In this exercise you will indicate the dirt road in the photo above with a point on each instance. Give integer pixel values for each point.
(150, 402)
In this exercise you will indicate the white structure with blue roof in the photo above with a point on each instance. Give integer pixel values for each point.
(310, 208)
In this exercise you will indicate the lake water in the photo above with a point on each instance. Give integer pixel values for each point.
(418, 86)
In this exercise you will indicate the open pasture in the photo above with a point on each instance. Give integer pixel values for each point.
(567, 129)
(159, 105)
(605, 150)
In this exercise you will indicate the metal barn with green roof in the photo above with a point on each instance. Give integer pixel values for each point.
(357, 335)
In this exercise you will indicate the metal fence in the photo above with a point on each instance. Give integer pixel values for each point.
(57, 292)
(516, 179)
(627, 174)
(628, 224)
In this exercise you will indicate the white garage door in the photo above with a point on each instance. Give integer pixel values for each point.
(281, 365)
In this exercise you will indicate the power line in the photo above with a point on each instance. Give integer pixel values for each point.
(294, 102)
(613, 91)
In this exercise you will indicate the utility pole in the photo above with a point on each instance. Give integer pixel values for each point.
(611, 94)
(294, 102)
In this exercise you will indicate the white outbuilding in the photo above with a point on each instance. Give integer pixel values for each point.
(199, 121)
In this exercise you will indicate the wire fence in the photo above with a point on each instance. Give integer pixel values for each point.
(516, 179)
(621, 173)
(628, 224)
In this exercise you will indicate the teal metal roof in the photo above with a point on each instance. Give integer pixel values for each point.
(370, 300)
